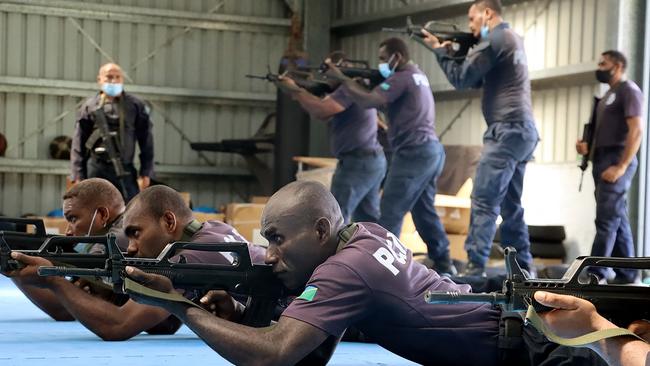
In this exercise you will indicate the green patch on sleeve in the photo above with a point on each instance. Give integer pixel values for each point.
(308, 294)
(384, 86)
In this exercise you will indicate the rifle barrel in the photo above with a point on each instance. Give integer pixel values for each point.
(455, 297)
(77, 272)
(256, 77)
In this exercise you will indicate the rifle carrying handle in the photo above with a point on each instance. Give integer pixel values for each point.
(630, 263)
(59, 239)
(239, 248)
(38, 224)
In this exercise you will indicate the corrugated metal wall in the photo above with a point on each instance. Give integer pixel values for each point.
(187, 57)
(557, 34)
(563, 40)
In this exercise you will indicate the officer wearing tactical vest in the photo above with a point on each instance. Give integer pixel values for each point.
(127, 121)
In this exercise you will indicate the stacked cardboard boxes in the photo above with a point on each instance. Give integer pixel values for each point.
(245, 218)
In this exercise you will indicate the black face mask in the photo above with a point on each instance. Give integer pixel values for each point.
(604, 76)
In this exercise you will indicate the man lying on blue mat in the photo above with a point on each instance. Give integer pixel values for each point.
(358, 275)
(155, 217)
(91, 207)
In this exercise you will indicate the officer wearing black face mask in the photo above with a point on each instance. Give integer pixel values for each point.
(615, 143)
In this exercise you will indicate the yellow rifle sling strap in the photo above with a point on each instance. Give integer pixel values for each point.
(533, 318)
(132, 287)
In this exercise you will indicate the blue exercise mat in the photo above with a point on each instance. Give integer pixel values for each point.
(29, 337)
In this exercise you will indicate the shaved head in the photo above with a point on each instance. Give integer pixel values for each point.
(95, 192)
(90, 205)
(109, 67)
(301, 221)
(306, 201)
(156, 200)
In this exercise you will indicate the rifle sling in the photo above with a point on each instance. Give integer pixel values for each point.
(533, 318)
(191, 229)
(131, 287)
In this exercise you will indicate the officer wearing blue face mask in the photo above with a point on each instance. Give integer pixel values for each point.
(417, 156)
(128, 118)
(498, 65)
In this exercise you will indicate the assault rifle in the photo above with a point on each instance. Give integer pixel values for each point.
(257, 282)
(57, 250)
(461, 42)
(621, 304)
(17, 236)
(588, 137)
(303, 79)
(358, 69)
(111, 147)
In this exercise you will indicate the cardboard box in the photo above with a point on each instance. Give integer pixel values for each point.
(411, 239)
(244, 217)
(543, 262)
(203, 217)
(186, 197)
(260, 199)
(55, 225)
(454, 214)
(454, 211)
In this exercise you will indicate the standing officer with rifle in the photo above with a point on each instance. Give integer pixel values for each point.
(417, 156)
(497, 64)
(108, 126)
(612, 150)
(353, 139)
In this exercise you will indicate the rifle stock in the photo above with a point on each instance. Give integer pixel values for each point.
(621, 304)
(256, 282)
(57, 250)
(18, 238)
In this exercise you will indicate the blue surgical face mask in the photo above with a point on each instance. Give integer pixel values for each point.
(385, 69)
(112, 89)
(485, 31)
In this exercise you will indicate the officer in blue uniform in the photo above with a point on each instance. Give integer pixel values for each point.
(616, 140)
(497, 64)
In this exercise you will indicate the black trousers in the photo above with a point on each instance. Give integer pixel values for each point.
(535, 350)
(128, 186)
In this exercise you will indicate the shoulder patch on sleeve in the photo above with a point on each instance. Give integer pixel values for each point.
(384, 86)
(308, 294)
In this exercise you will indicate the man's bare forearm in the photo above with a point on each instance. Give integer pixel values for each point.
(623, 351)
(632, 144)
(237, 343)
(243, 345)
(103, 318)
(312, 104)
(361, 96)
(44, 299)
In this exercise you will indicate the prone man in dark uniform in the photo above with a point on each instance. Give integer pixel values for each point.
(91, 207)
(497, 64)
(356, 275)
(353, 140)
(156, 217)
(417, 156)
(128, 122)
(616, 140)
